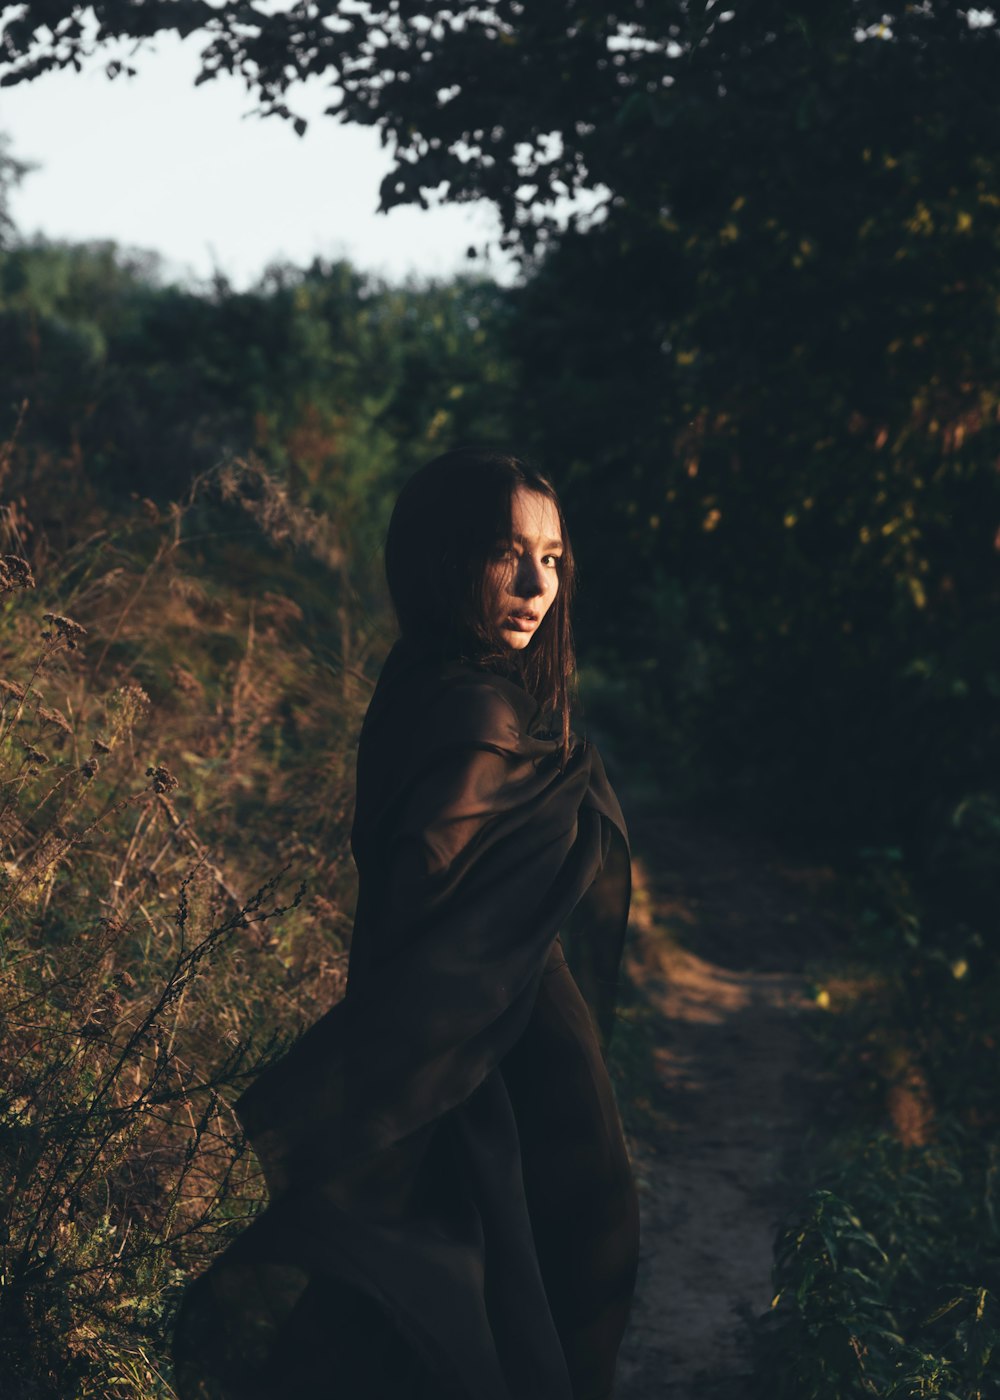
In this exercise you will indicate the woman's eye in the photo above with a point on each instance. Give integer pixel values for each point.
(553, 560)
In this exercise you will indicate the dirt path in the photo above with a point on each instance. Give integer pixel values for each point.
(720, 938)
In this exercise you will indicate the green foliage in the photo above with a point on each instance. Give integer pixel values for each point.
(872, 1297)
(888, 1277)
(770, 373)
(12, 172)
(338, 383)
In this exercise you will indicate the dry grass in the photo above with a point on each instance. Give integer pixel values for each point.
(176, 772)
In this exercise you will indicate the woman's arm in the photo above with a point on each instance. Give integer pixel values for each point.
(470, 872)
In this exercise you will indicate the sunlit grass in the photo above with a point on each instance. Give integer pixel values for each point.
(176, 768)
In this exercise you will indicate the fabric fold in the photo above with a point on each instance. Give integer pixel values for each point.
(389, 1136)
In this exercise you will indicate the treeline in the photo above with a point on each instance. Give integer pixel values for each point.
(805, 596)
(338, 385)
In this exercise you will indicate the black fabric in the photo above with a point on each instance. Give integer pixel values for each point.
(451, 1209)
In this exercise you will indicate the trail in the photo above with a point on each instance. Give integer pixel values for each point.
(720, 937)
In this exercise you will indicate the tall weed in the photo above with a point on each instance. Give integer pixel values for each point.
(176, 763)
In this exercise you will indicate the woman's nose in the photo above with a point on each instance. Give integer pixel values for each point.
(529, 581)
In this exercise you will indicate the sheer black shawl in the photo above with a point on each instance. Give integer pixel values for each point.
(386, 1133)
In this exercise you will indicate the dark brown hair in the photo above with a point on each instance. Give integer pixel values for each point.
(447, 524)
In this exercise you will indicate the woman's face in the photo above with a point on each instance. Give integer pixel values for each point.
(527, 576)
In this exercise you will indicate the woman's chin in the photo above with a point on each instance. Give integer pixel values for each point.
(517, 641)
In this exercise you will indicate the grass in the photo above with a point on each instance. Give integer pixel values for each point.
(176, 769)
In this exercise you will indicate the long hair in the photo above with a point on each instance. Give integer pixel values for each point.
(448, 523)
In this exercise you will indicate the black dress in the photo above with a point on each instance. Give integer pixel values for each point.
(452, 1214)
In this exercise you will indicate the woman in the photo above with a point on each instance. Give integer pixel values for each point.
(452, 1213)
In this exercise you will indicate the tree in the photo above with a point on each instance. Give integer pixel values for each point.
(523, 104)
(12, 172)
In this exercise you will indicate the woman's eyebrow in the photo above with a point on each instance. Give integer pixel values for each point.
(549, 544)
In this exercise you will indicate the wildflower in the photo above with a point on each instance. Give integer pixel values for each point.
(163, 779)
(12, 688)
(99, 746)
(88, 769)
(15, 572)
(32, 754)
(55, 717)
(129, 702)
(64, 628)
(104, 1013)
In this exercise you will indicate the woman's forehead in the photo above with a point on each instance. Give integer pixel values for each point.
(534, 517)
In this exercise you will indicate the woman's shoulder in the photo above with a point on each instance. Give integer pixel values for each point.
(452, 700)
(475, 704)
(430, 718)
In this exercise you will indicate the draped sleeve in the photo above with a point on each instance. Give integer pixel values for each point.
(473, 847)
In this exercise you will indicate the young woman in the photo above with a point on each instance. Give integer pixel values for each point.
(452, 1213)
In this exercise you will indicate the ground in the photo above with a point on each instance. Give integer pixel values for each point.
(721, 940)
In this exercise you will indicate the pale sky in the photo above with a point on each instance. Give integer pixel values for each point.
(154, 162)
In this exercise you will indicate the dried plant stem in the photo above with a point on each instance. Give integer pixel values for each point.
(147, 815)
(48, 650)
(165, 547)
(71, 841)
(7, 452)
(63, 1181)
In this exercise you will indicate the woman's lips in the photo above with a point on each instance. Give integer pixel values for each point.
(522, 622)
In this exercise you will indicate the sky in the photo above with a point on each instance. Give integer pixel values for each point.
(154, 162)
